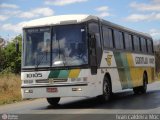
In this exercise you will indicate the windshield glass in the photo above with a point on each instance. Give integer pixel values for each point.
(72, 45)
(65, 46)
(37, 47)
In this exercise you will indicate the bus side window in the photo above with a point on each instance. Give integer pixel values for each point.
(107, 37)
(136, 43)
(152, 48)
(118, 39)
(149, 45)
(143, 45)
(128, 42)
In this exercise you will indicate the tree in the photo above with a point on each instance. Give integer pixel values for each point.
(2, 59)
(11, 60)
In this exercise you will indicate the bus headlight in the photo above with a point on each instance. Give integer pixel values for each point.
(28, 91)
(76, 89)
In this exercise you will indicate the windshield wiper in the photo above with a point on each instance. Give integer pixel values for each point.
(41, 59)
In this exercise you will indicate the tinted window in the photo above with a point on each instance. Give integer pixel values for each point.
(128, 42)
(107, 37)
(136, 43)
(118, 36)
(143, 45)
(149, 45)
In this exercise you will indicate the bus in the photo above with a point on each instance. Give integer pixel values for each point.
(83, 56)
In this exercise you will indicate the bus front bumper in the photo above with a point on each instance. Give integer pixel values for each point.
(70, 90)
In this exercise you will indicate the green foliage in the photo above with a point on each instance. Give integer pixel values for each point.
(2, 59)
(10, 60)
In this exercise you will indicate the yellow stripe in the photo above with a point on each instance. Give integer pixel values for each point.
(135, 72)
(74, 73)
(130, 60)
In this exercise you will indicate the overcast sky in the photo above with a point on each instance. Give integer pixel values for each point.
(141, 15)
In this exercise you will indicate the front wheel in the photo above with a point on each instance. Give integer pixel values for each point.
(107, 90)
(53, 101)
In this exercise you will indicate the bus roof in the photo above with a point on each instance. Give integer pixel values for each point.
(60, 19)
(73, 19)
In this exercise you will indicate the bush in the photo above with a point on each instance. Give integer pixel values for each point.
(10, 60)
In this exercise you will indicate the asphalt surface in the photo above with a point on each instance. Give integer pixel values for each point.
(81, 108)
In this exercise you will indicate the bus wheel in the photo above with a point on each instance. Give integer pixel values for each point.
(136, 90)
(53, 101)
(143, 88)
(107, 90)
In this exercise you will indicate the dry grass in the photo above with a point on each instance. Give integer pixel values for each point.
(10, 86)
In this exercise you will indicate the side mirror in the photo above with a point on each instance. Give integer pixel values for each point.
(93, 41)
(93, 55)
(17, 46)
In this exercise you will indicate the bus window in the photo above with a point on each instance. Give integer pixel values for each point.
(143, 45)
(107, 37)
(136, 43)
(118, 37)
(149, 45)
(37, 46)
(128, 42)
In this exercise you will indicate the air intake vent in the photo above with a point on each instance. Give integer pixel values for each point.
(58, 80)
(51, 80)
(42, 81)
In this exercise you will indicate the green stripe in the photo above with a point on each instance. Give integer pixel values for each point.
(118, 59)
(54, 74)
(127, 70)
(123, 69)
(63, 74)
(59, 74)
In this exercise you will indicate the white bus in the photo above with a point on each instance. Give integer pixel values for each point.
(83, 56)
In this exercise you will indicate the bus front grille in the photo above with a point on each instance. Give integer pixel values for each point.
(51, 80)
(42, 81)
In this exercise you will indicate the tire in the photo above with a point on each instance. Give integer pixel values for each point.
(107, 90)
(142, 89)
(136, 90)
(53, 101)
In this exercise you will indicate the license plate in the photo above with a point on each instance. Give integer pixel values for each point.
(52, 90)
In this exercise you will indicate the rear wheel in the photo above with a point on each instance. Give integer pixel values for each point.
(142, 89)
(136, 90)
(107, 90)
(53, 101)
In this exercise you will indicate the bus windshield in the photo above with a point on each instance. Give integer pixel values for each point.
(55, 46)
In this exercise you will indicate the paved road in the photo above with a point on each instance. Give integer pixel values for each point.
(122, 103)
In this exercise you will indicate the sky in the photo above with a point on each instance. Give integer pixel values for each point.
(140, 15)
